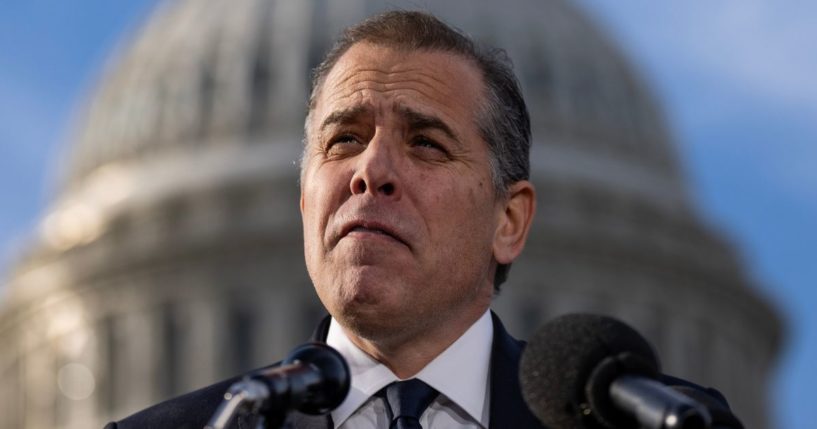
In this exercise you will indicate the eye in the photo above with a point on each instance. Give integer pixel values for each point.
(425, 142)
(429, 149)
(343, 138)
(343, 144)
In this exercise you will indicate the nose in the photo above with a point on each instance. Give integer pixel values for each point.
(376, 171)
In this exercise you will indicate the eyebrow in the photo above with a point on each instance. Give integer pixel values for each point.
(344, 116)
(422, 121)
(416, 120)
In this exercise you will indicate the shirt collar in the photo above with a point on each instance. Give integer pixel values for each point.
(460, 372)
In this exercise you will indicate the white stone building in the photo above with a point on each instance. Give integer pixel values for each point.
(172, 256)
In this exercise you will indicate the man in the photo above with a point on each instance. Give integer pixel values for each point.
(415, 201)
(411, 199)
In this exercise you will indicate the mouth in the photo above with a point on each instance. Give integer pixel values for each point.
(374, 228)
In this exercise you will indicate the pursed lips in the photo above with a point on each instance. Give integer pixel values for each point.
(371, 227)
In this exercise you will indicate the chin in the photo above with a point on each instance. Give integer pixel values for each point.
(371, 316)
(367, 300)
(375, 327)
(369, 285)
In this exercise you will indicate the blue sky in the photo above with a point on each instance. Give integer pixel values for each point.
(736, 78)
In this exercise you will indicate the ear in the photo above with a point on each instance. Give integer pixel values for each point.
(514, 222)
(301, 179)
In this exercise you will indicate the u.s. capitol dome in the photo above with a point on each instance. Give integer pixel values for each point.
(172, 254)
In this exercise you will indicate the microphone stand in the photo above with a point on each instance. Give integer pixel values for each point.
(656, 406)
(243, 397)
(314, 379)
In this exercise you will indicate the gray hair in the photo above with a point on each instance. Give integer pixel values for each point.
(502, 119)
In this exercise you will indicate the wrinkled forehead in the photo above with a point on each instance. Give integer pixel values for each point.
(432, 79)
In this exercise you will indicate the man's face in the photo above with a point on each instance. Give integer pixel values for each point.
(398, 204)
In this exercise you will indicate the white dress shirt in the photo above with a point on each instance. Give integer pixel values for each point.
(461, 374)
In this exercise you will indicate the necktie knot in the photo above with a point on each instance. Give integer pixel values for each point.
(408, 400)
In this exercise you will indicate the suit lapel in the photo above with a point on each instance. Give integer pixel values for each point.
(508, 409)
(322, 330)
(298, 420)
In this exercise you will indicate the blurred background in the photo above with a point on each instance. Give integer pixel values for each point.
(150, 238)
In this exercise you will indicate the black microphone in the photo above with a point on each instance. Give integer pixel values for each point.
(584, 371)
(313, 379)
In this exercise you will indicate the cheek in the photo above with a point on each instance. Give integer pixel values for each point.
(311, 214)
(479, 197)
(465, 212)
(481, 216)
(322, 195)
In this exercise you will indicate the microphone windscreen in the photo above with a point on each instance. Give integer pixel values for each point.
(562, 355)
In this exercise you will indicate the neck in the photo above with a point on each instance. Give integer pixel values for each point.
(407, 355)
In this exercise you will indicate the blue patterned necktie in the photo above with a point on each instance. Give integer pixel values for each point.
(408, 400)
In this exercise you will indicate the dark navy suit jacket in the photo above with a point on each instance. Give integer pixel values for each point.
(193, 410)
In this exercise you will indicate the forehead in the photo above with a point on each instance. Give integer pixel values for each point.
(380, 77)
